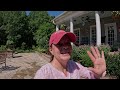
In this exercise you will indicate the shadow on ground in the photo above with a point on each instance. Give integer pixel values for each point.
(8, 68)
(16, 56)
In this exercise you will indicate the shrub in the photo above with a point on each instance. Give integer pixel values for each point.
(19, 50)
(113, 65)
(63, 27)
(115, 46)
(105, 48)
(85, 60)
(23, 46)
(75, 54)
(2, 48)
(79, 54)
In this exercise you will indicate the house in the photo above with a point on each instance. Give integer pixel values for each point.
(91, 27)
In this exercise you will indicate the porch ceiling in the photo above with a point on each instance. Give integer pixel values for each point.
(65, 17)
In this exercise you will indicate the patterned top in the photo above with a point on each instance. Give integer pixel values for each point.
(75, 71)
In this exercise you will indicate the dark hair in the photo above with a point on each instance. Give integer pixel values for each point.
(52, 56)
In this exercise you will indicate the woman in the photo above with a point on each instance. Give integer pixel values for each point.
(61, 67)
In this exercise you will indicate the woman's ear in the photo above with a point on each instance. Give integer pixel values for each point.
(50, 50)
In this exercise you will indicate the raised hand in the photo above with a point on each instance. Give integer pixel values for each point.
(98, 62)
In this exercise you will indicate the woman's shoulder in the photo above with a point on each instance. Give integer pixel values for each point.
(75, 64)
(42, 72)
(45, 67)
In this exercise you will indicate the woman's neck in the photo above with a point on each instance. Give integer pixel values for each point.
(60, 66)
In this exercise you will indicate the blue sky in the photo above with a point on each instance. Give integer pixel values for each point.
(55, 13)
(51, 13)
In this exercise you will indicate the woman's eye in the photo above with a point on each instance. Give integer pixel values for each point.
(69, 44)
(59, 45)
(66, 44)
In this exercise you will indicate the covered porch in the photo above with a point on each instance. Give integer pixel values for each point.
(91, 27)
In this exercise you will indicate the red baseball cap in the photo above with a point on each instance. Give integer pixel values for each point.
(56, 36)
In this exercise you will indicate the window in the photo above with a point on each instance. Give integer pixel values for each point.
(77, 33)
(93, 34)
(84, 40)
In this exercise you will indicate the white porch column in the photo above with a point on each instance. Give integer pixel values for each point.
(57, 27)
(71, 27)
(98, 29)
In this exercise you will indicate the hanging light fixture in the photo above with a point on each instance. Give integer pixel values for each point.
(85, 19)
(102, 12)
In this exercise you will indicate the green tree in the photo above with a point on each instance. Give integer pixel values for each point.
(42, 35)
(15, 26)
(36, 18)
(41, 26)
(2, 30)
(22, 31)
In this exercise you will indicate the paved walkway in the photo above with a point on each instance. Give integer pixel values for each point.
(23, 66)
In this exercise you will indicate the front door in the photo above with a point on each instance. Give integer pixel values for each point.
(110, 33)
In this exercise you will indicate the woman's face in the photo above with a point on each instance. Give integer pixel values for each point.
(62, 50)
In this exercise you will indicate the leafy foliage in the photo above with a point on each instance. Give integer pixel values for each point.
(44, 28)
(79, 54)
(105, 48)
(115, 46)
(75, 54)
(113, 65)
(84, 56)
(15, 25)
(63, 27)
(2, 48)
(24, 32)
(42, 35)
